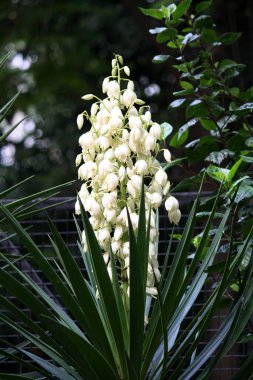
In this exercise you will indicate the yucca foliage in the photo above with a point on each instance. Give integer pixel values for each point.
(89, 331)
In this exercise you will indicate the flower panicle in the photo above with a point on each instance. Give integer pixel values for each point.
(118, 153)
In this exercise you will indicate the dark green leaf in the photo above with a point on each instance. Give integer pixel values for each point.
(86, 300)
(166, 35)
(244, 109)
(166, 130)
(182, 8)
(209, 36)
(226, 64)
(208, 124)
(10, 130)
(218, 157)
(136, 295)
(234, 169)
(197, 109)
(247, 159)
(190, 37)
(157, 30)
(160, 58)
(186, 126)
(203, 21)
(186, 85)
(177, 140)
(249, 141)
(173, 163)
(155, 13)
(105, 290)
(165, 11)
(14, 377)
(4, 110)
(84, 351)
(171, 8)
(4, 59)
(177, 103)
(182, 92)
(245, 370)
(244, 191)
(219, 174)
(229, 38)
(200, 7)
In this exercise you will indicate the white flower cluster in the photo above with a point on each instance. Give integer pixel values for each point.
(119, 151)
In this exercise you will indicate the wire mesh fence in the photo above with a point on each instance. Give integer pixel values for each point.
(63, 218)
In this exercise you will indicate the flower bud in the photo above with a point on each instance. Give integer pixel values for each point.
(110, 215)
(109, 154)
(141, 167)
(105, 85)
(171, 204)
(115, 123)
(161, 177)
(128, 98)
(133, 111)
(125, 135)
(135, 121)
(113, 89)
(155, 131)
(109, 200)
(167, 155)
(94, 109)
(122, 173)
(116, 112)
(156, 200)
(149, 143)
(131, 189)
(111, 181)
(166, 188)
(135, 220)
(80, 120)
(153, 234)
(104, 236)
(77, 208)
(104, 142)
(136, 182)
(114, 63)
(118, 232)
(174, 216)
(130, 85)
(151, 291)
(139, 102)
(106, 257)
(103, 116)
(114, 71)
(146, 118)
(126, 70)
(86, 141)
(122, 152)
(120, 59)
(78, 159)
(87, 97)
(115, 247)
(126, 251)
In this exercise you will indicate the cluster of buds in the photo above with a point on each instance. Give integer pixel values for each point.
(118, 153)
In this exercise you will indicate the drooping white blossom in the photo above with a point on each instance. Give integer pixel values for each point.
(118, 153)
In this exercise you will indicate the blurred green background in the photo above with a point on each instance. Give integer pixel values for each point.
(62, 50)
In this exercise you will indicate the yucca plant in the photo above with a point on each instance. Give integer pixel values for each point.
(106, 319)
(88, 331)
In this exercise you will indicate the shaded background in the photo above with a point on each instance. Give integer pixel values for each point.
(62, 50)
